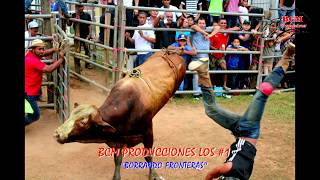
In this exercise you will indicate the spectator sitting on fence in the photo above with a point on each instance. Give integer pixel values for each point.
(188, 51)
(166, 5)
(142, 39)
(165, 38)
(232, 6)
(215, 6)
(233, 61)
(191, 5)
(64, 8)
(243, 9)
(85, 30)
(218, 41)
(34, 69)
(286, 8)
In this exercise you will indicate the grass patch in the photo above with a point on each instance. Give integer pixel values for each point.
(280, 105)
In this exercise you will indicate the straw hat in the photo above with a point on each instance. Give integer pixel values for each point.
(193, 65)
(37, 43)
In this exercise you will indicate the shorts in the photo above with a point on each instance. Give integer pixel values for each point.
(215, 62)
(242, 154)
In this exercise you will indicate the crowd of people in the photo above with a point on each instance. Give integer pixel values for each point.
(277, 35)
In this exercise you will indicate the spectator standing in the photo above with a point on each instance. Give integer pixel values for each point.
(244, 64)
(165, 38)
(233, 61)
(200, 41)
(142, 39)
(166, 5)
(287, 8)
(34, 69)
(85, 30)
(232, 6)
(218, 41)
(185, 25)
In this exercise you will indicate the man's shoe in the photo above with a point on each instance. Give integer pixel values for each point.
(226, 88)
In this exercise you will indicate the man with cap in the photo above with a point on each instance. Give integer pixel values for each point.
(33, 29)
(34, 69)
(245, 128)
(187, 53)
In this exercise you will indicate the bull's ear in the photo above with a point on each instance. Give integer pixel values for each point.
(106, 127)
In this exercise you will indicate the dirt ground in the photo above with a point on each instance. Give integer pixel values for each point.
(176, 125)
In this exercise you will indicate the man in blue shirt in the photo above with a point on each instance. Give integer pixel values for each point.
(188, 52)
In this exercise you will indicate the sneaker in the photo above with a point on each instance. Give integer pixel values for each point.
(226, 88)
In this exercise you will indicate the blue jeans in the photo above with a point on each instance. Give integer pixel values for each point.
(141, 58)
(286, 11)
(30, 118)
(195, 85)
(64, 9)
(247, 125)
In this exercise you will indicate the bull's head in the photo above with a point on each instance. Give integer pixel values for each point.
(84, 125)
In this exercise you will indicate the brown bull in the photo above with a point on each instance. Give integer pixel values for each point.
(125, 118)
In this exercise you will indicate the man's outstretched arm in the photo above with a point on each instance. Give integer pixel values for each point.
(218, 171)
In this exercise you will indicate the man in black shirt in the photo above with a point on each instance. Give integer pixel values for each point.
(85, 29)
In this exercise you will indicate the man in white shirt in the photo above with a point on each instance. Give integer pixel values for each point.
(142, 39)
(33, 29)
(166, 5)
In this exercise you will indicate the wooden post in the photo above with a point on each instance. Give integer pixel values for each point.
(120, 44)
(47, 30)
(77, 64)
(107, 18)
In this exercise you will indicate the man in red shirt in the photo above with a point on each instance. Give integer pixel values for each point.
(34, 69)
(218, 41)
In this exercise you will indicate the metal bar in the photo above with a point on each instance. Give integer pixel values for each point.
(285, 90)
(48, 61)
(91, 42)
(46, 105)
(47, 83)
(90, 61)
(198, 51)
(32, 16)
(91, 4)
(90, 81)
(196, 11)
(208, 29)
(38, 37)
(92, 23)
(226, 71)
(61, 31)
(230, 91)
(265, 57)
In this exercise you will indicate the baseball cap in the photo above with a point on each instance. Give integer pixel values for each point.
(37, 43)
(182, 37)
(33, 24)
(246, 22)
